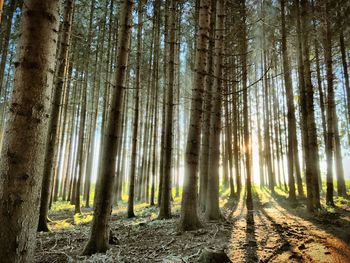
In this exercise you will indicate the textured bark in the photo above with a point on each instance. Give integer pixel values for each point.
(99, 236)
(212, 211)
(22, 156)
(189, 217)
(51, 147)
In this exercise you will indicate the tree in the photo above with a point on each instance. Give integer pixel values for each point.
(22, 156)
(204, 152)
(99, 235)
(83, 112)
(189, 217)
(165, 210)
(212, 211)
(51, 148)
(309, 132)
(330, 107)
(136, 114)
(290, 105)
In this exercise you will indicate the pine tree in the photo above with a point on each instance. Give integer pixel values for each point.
(22, 155)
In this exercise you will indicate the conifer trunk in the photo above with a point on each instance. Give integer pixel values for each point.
(212, 211)
(53, 123)
(22, 156)
(189, 217)
(99, 235)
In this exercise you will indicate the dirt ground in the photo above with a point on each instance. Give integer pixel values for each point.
(272, 232)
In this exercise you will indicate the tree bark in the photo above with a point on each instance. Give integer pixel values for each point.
(22, 156)
(189, 217)
(51, 147)
(311, 150)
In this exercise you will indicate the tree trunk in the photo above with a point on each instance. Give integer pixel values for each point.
(204, 152)
(22, 156)
(246, 137)
(312, 159)
(133, 165)
(165, 211)
(290, 106)
(155, 86)
(330, 107)
(99, 236)
(55, 110)
(345, 69)
(189, 217)
(212, 211)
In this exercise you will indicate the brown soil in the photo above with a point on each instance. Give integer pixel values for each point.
(273, 232)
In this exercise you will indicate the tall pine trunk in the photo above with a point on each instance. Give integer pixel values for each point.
(290, 106)
(212, 211)
(51, 148)
(22, 156)
(164, 211)
(134, 166)
(189, 217)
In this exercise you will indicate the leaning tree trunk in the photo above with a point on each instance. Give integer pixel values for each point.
(189, 217)
(22, 156)
(51, 147)
(99, 235)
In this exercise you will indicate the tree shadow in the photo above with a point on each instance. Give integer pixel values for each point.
(232, 204)
(251, 243)
(332, 223)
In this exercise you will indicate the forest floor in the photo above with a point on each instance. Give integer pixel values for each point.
(272, 232)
